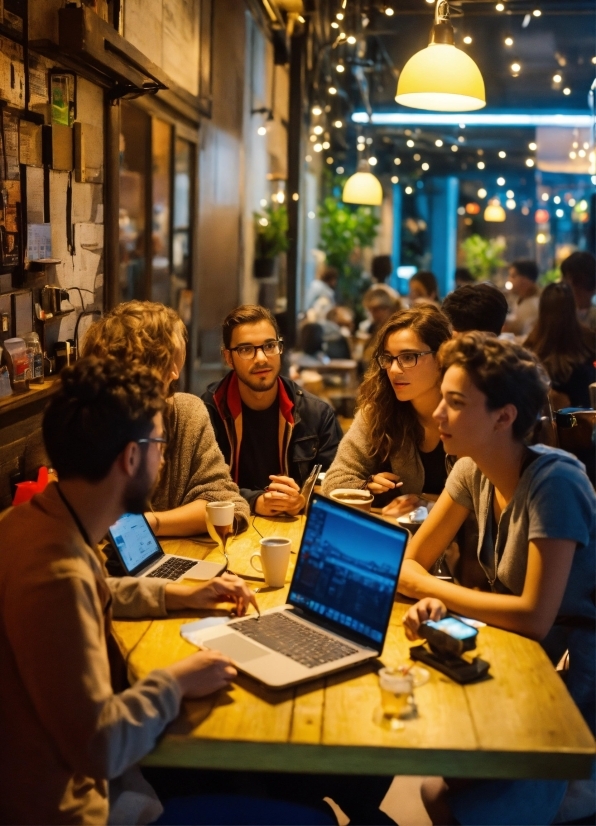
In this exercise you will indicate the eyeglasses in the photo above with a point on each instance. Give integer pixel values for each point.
(158, 440)
(249, 351)
(405, 360)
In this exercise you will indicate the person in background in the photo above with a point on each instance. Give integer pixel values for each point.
(393, 447)
(73, 729)
(462, 277)
(380, 268)
(476, 307)
(322, 287)
(380, 303)
(535, 507)
(563, 345)
(195, 472)
(424, 288)
(523, 276)
(579, 271)
(270, 431)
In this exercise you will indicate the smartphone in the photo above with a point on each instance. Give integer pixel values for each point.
(308, 486)
(449, 635)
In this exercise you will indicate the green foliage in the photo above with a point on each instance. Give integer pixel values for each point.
(271, 230)
(550, 277)
(344, 232)
(483, 255)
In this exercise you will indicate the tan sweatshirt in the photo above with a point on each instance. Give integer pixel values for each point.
(64, 729)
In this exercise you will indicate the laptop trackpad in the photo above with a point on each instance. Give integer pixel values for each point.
(237, 649)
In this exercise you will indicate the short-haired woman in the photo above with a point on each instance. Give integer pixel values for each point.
(563, 345)
(393, 446)
(194, 472)
(535, 510)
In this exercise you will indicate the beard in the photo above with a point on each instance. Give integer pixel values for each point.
(260, 384)
(138, 493)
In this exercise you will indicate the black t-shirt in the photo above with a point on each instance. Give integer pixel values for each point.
(259, 450)
(435, 472)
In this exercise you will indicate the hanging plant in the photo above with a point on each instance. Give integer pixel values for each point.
(482, 256)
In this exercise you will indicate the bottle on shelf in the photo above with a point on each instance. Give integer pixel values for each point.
(35, 355)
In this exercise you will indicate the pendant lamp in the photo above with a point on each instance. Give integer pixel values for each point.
(363, 188)
(494, 212)
(441, 77)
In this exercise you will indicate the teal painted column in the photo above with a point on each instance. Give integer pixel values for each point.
(443, 198)
(396, 240)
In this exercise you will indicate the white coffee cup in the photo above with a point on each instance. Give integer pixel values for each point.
(274, 558)
(221, 513)
(360, 499)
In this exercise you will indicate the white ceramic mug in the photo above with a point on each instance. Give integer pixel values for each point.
(274, 558)
(221, 513)
(361, 499)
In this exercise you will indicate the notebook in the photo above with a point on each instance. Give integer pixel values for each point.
(141, 554)
(339, 603)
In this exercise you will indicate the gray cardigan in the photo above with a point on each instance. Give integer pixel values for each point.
(194, 467)
(353, 463)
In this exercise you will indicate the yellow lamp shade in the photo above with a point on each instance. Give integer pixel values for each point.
(494, 212)
(442, 78)
(363, 188)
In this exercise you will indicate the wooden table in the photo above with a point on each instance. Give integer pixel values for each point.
(520, 723)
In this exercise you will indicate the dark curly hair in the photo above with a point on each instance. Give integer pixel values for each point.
(391, 422)
(506, 373)
(100, 406)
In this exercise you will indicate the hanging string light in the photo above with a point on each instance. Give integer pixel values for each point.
(441, 77)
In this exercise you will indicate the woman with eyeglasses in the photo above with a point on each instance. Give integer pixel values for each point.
(194, 471)
(393, 447)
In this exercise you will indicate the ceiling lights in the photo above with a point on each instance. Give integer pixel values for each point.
(494, 212)
(363, 188)
(441, 77)
(513, 119)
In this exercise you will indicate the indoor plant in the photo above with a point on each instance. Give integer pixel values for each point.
(271, 238)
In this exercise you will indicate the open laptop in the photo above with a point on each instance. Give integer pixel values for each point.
(141, 554)
(339, 603)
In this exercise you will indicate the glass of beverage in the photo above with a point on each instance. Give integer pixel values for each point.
(220, 524)
(396, 690)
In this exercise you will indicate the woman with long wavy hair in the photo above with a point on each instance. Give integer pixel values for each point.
(393, 447)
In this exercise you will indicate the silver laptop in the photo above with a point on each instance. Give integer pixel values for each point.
(141, 554)
(339, 604)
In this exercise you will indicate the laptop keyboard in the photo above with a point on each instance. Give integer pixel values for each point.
(173, 568)
(294, 640)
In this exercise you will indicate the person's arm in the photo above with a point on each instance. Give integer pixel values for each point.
(282, 496)
(532, 613)
(182, 521)
(353, 464)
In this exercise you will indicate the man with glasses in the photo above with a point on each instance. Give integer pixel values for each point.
(270, 431)
(72, 727)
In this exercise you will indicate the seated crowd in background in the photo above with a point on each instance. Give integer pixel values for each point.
(579, 271)
(523, 276)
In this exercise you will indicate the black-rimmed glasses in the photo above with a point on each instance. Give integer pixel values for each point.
(249, 351)
(405, 360)
(158, 440)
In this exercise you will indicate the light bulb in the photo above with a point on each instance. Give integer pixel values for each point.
(329, 160)
(263, 222)
(397, 161)
(501, 181)
(340, 68)
(295, 196)
(515, 67)
(316, 110)
(389, 11)
(416, 157)
(332, 90)
(318, 130)
(455, 148)
(338, 124)
(410, 143)
(361, 147)
(502, 154)
(582, 153)
(530, 162)
(537, 13)
(557, 78)
(326, 144)
(557, 199)
(510, 193)
(372, 161)
(311, 214)
(394, 179)
(500, 7)
(567, 90)
(263, 202)
(351, 40)
(481, 193)
(480, 164)
(560, 213)
(461, 139)
(532, 146)
(409, 190)
(308, 158)
(340, 170)
(318, 147)
(426, 167)
(573, 155)
(340, 15)
(544, 196)
(335, 25)
(462, 126)
(510, 203)
(313, 138)
(571, 202)
(467, 39)
(509, 41)
(438, 142)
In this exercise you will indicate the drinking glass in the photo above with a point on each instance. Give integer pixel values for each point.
(396, 690)
(220, 524)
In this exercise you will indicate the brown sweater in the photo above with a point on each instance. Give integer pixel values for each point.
(66, 729)
(194, 467)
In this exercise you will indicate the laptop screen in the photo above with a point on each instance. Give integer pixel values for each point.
(347, 569)
(134, 541)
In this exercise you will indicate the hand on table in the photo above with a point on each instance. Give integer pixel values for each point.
(224, 588)
(202, 673)
(383, 482)
(402, 505)
(427, 608)
(282, 496)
